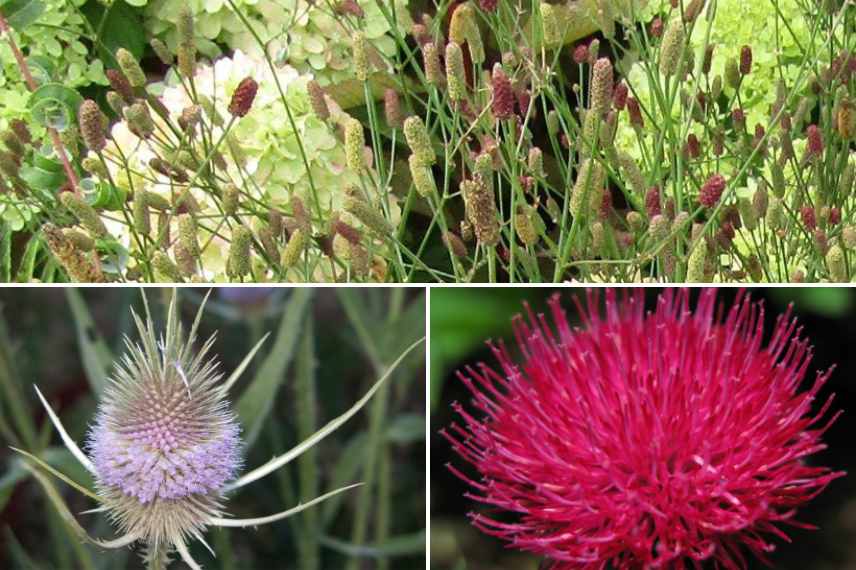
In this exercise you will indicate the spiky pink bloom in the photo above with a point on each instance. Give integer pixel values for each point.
(644, 439)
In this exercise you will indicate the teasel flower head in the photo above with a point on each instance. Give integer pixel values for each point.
(711, 191)
(652, 439)
(165, 447)
(243, 96)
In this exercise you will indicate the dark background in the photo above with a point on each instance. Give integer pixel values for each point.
(40, 336)
(462, 319)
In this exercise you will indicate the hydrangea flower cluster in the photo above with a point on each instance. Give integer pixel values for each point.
(261, 154)
(310, 36)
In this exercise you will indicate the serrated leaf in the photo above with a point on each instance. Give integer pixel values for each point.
(257, 400)
(96, 354)
(22, 13)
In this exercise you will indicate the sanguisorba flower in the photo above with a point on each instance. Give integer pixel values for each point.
(165, 447)
(644, 439)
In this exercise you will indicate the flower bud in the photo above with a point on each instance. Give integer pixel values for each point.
(243, 96)
(481, 210)
(588, 187)
(711, 191)
(167, 271)
(140, 213)
(776, 217)
(293, 248)
(672, 47)
(116, 103)
(696, 263)
(120, 85)
(815, 141)
(431, 61)
(455, 77)
(419, 141)
(131, 68)
(454, 244)
(368, 215)
(317, 100)
(85, 214)
(635, 113)
(354, 145)
(732, 73)
(848, 237)
(238, 261)
(139, 120)
(632, 173)
(837, 264)
(600, 95)
(231, 196)
(78, 267)
(423, 178)
(361, 58)
(392, 109)
(187, 235)
(745, 60)
(502, 104)
(526, 231)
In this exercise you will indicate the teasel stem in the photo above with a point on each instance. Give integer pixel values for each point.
(307, 465)
(157, 557)
(31, 85)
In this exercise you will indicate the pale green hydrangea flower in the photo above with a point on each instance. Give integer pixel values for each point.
(306, 35)
(273, 168)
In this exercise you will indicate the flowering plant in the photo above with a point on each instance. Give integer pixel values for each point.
(659, 438)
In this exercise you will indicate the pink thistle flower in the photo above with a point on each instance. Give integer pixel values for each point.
(645, 439)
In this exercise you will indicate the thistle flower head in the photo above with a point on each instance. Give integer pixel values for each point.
(165, 441)
(645, 439)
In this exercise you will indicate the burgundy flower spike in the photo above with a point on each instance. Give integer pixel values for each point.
(645, 439)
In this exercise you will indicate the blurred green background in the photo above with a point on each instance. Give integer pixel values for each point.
(462, 319)
(327, 347)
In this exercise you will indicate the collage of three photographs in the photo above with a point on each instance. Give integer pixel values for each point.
(441, 428)
(427, 284)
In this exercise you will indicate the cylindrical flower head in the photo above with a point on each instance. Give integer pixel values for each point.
(455, 77)
(600, 95)
(419, 141)
(131, 68)
(238, 262)
(317, 100)
(711, 191)
(139, 120)
(164, 442)
(392, 108)
(502, 103)
(361, 58)
(672, 47)
(431, 62)
(423, 178)
(85, 214)
(91, 126)
(354, 143)
(745, 60)
(243, 97)
(644, 439)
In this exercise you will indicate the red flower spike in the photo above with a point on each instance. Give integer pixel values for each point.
(711, 191)
(644, 439)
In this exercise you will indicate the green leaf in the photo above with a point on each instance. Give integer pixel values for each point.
(257, 400)
(6, 256)
(406, 428)
(96, 354)
(122, 27)
(825, 301)
(42, 180)
(28, 260)
(22, 13)
(402, 545)
(54, 105)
